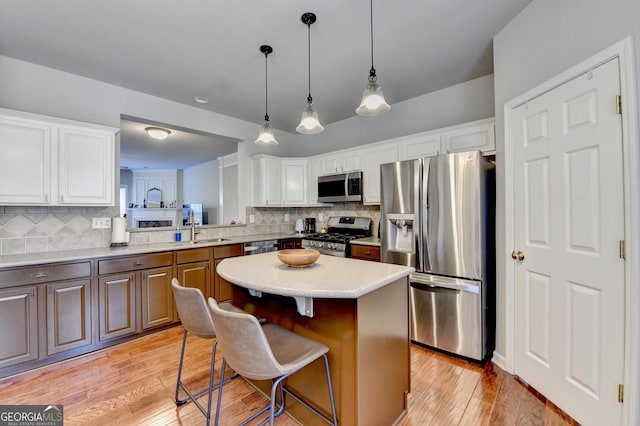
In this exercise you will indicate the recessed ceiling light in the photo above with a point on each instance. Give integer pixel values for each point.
(201, 99)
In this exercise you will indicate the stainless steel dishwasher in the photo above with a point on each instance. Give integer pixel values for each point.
(256, 247)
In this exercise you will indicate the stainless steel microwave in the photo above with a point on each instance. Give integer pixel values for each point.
(340, 187)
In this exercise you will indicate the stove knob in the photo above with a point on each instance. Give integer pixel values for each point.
(320, 244)
(310, 244)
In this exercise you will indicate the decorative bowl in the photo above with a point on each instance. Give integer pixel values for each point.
(298, 257)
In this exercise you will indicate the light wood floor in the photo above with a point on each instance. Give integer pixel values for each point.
(134, 383)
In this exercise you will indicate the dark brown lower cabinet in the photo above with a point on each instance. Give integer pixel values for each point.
(117, 305)
(194, 269)
(18, 325)
(223, 290)
(68, 315)
(157, 297)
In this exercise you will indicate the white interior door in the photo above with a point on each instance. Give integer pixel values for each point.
(568, 223)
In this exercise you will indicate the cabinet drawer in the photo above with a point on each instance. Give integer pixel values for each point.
(193, 255)
(44, 273)
(134, 263)
(365, 252)
(227, 251)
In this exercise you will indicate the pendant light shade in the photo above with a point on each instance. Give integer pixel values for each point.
(373, 101)
(309, 123)
(266, 136)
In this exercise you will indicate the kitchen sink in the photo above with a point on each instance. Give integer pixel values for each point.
(204, 240)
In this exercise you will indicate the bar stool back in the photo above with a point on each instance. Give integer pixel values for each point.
(196, 319)
(267, 352)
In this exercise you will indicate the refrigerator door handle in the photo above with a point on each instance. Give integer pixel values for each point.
(451, 284)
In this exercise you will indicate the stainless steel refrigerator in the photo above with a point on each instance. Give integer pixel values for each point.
(436, 215)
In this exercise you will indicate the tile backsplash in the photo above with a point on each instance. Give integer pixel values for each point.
(44, 229)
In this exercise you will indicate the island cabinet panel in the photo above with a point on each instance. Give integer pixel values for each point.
(157, 297)
(18, 326)
(68, 315)
(117, 306)
(222, 290)
(368, 340)
(290, 243)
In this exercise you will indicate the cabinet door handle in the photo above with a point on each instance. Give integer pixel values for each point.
(46, 198)
(367, 253)
(62, 198)
(33, 293)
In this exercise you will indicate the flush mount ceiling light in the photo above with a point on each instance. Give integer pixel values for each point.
(201, 99)
(309, 123)
(373, 101)
(157, 132)
(266, 136)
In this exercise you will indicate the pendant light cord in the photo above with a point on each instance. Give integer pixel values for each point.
(266, 89)
(309, 98)
(372, 72)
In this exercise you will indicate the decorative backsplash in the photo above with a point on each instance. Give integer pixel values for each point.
(44, 229)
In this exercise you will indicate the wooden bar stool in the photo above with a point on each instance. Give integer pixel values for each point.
(196, 319)
(267, 352)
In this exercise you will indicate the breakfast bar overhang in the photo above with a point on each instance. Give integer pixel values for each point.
(359, 309)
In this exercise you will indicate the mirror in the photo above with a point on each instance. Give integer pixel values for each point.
(188, 167)
(154, 198)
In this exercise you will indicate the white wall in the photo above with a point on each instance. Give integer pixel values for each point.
(201, 184)
(545, 39)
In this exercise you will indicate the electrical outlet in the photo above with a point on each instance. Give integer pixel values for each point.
(101, 222)
(252, 218)
(286, 217)
(321, 217)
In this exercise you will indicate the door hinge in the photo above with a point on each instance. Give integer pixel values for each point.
(619, 104)
(623, 250)
(620, 393)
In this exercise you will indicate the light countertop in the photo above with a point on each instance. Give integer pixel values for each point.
(369, 241)
(27, 259)
(329, 277)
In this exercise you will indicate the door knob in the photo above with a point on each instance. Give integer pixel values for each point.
(517, 255)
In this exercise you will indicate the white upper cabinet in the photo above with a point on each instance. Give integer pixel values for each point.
(86, 166)
(479, 135)
(345, 161)
(294, 181)
(51, 161)
(425, 145)
(25, 162)
(312, 183)
(373, 157)
(266, 181)
(476, 135)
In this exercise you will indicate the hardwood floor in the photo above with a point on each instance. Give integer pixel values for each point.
(134, 383)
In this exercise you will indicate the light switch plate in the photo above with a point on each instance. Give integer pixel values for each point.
(101, 222)
(286, 217)
(252, 218)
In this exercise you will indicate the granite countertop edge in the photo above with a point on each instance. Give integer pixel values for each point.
(29, 259)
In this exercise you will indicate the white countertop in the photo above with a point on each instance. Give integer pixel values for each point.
(329, 277)
(14, 260)
(368, 241)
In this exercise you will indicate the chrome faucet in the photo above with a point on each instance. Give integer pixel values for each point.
(192, 224)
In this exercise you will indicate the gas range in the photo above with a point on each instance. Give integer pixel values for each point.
(342, 229)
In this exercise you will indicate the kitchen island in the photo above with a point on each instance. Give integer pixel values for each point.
(359, 309)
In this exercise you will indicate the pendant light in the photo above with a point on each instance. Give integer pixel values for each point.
(373, 101)
(266, 136)
(309, 123)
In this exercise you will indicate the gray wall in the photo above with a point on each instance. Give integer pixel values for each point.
(545, 39)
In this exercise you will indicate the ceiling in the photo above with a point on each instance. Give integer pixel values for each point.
(181, 49)
(183, 148)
